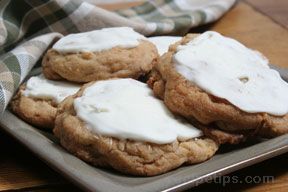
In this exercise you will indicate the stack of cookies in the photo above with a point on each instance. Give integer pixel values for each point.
(204, 90)
(224, 87)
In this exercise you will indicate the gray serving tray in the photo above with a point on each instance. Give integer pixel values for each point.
(227, 160)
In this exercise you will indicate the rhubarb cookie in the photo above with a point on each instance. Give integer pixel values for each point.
(36, 101)
(118, 52)
(120, 124)
(219, 82)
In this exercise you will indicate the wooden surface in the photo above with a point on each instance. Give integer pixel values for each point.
(260, 24)
(276, 12)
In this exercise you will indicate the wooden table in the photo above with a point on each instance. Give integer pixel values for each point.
(260, 24)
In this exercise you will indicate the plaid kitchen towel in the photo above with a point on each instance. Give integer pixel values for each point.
(29, 27)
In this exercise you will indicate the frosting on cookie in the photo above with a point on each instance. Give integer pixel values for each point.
(163, 42)
(42, 88)
(227, 69)
(99, 40)
(127, 109)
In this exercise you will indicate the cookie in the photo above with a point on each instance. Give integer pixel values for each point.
(100, 54)
(36, 101)
(191, 93)
(120, 124)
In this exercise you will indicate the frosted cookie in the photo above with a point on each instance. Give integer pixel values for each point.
(36, 101)
(163, 42)
(120, 124)
(118, 52)
(218, 81)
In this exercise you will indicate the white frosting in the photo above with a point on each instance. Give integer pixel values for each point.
(163, 42)
(39, 87)
(227, 69)
(99, 40)
(127, 109)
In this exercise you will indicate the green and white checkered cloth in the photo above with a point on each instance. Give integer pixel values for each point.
(29, 27)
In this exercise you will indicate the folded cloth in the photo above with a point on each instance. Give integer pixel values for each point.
(29, 27)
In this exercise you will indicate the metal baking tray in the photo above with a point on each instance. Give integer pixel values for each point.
(89, 178)
(227, 159)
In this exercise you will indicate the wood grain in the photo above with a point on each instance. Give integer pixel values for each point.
(19, 169)
(277, 13)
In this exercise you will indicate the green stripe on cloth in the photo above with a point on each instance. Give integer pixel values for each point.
(23, 23)
(144, 9)
(12, 64)
(15, 11)
(12, 17)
